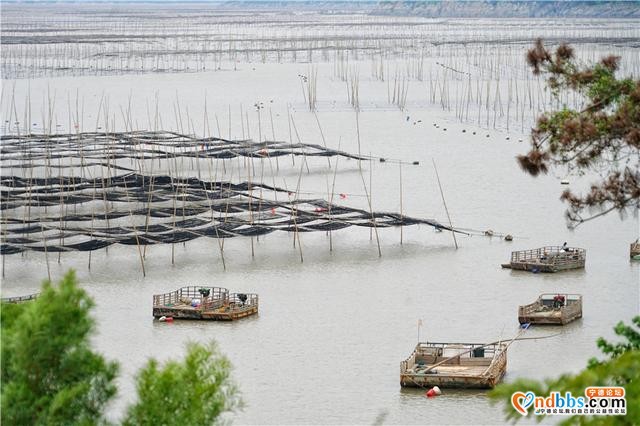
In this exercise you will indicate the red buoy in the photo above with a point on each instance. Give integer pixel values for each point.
(433, 392)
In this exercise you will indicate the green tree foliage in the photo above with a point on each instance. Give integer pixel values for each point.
(50, 376)
(620, 368)
(194, 392)
(49, 373)
(603, 137)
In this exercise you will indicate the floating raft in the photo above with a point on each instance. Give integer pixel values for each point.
(20, 299)
(552, 309)
(547, 259)
(454, 365)
(205, 303)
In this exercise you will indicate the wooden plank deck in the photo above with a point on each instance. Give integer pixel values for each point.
(226, 314)
(431, 364)
(469, 377)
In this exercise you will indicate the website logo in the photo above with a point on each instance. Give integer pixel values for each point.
(597, 400)
(522, 401)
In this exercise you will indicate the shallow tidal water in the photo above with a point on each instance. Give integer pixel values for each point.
(332, 330)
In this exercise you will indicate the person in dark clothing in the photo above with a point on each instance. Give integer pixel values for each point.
(558, 301)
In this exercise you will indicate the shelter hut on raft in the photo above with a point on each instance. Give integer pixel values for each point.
(204, 303)
(547, 259)
(551, 309)
(455, 365)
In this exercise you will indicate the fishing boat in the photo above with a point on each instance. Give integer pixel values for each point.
(552, 309)
(547, 259)
(204, 303)
(455, 365)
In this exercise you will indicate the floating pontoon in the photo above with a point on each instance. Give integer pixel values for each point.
(205, 303)
(454, 365)
(547, 259)
(553, 309)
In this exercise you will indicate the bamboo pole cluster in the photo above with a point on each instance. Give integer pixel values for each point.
(39, 41)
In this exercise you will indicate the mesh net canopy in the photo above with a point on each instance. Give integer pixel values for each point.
(81, 213)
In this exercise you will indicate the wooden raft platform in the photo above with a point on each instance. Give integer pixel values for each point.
(20, 299)
(205, 303)
(477, 365)
(552, 309)
(547, 259)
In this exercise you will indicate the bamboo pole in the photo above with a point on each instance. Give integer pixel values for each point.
(250, 208)
(324, 142)
(373, 218)
(333, 190)
(133, 225)
(295, 210)
(273, 135)
(445, 205)
(401, 216)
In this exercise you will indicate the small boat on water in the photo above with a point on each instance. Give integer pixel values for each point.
(551, 309)
(455, 365)
(204, 303)
(547, 259)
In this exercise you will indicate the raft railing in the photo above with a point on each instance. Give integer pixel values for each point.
(573, 302)
(235, 302)
(553, 255)
(491, 351)
(217, 296)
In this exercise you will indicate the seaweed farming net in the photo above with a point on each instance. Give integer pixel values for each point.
(37, 149)
(65, 213)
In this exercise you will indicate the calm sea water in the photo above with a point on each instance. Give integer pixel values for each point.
(331, 332)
